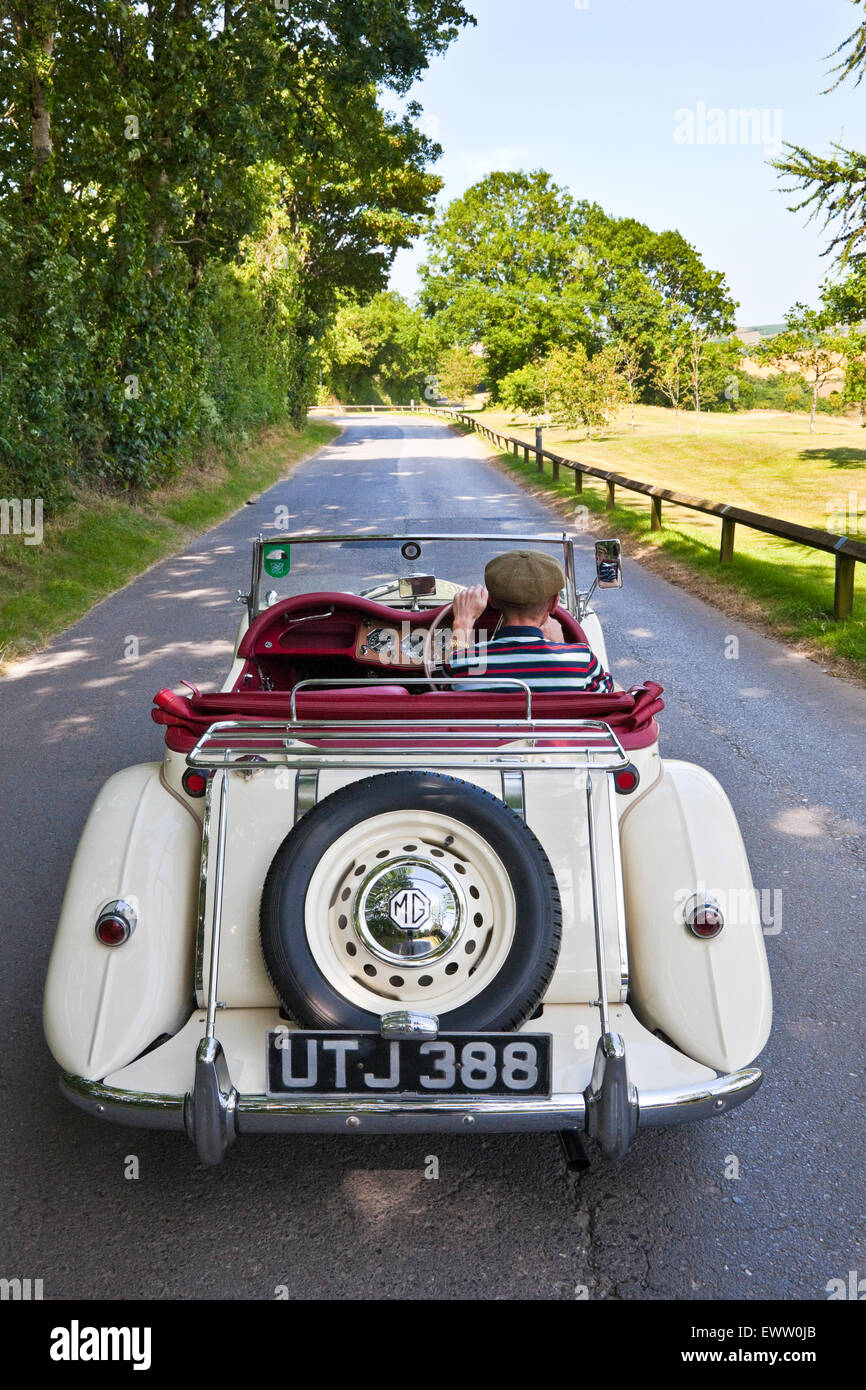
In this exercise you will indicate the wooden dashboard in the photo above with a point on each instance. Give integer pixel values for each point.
(393, 645)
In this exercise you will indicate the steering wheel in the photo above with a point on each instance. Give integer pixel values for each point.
(429, 636)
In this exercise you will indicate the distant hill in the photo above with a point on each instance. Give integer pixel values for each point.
(755, 332)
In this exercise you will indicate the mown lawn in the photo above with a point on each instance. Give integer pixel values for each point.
(102, 541)
(766, 461)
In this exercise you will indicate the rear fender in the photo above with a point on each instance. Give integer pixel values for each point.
(104, 1005)
(711, 998)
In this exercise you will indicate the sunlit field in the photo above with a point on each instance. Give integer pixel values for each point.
(763, 460)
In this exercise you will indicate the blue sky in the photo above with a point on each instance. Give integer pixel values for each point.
(589, 90)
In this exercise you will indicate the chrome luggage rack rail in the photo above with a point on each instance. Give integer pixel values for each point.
(232, 744)
(293, 742)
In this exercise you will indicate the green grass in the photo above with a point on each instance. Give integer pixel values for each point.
(762, 460)
(102, 542)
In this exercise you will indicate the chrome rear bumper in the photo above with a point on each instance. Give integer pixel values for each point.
(213, 1113)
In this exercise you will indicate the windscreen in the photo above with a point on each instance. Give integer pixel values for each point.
(375, 567)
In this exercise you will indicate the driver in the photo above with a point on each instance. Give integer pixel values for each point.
(530, 645)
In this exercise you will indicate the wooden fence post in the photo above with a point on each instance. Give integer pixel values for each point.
(726, 550)
(610, 501)
(555, 463)
(843, 596)
(578, 480)
(656, 515)
(526, 453)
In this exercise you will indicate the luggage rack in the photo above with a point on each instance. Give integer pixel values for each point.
(233, 744)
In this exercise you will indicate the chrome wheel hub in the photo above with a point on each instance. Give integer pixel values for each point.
(409, 912)
(410, 909)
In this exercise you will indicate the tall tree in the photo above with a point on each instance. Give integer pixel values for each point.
(835, 185)
(629, 361)
(582, 389)
(668, 373)
(812, 344)
(382, 348)
(150, 156)
(506, 268)
(459, 372)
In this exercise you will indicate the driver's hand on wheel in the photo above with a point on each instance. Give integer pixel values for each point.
(468, 606)
(553, 630)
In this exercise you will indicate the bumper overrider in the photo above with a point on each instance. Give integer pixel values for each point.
(214, 1113)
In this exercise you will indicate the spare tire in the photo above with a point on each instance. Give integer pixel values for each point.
(411, 890)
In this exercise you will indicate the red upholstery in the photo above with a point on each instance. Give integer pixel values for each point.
(630, 713)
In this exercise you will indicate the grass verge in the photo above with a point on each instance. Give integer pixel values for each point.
(783, 588)
(102, 542)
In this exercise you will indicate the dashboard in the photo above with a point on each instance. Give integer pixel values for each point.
(394, 644)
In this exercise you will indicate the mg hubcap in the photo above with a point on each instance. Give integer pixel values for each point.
(409, 912)
(410, 909)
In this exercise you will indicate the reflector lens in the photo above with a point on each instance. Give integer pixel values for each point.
(116, 922)
(626, 779)
(194, 783)
(704, 919)
(112, 931)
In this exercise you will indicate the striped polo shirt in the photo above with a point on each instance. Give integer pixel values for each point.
(525, 654)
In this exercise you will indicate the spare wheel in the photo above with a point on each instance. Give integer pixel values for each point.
(411, 890)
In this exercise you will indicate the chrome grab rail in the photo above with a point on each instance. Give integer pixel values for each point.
(482, 682)
(600, 958)
(216, 922)
(227, 743)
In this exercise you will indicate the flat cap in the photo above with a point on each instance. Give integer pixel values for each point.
(523, 578)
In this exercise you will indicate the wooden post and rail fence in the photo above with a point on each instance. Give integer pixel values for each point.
(847, 552)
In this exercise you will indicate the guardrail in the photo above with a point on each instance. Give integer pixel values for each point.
(846, 551)
(371, 409)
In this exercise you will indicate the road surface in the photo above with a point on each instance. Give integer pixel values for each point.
(350, 1219)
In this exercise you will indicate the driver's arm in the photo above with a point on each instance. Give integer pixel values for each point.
(468, 606)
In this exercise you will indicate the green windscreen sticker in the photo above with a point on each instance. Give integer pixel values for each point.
(278, 561)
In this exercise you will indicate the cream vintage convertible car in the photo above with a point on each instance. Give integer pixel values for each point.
(357, 895)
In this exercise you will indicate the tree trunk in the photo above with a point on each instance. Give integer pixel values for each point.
(814, 408)
(36, 34)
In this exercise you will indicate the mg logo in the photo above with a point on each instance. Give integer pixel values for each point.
(409, 910)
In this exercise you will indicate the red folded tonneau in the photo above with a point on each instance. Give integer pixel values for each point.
(630, 713)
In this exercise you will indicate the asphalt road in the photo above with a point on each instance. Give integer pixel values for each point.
(344, 1218)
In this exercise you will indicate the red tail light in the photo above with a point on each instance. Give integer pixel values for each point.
(194, 782)
(626, 779)
(703, 917)
(116, 923)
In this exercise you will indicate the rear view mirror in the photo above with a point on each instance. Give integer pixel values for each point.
(608, 564)
(416, 585)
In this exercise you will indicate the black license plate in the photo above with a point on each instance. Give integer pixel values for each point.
(365, 1064)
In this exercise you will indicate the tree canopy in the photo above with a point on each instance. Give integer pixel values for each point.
(184, 186)
(519, 265)
(835, 185)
